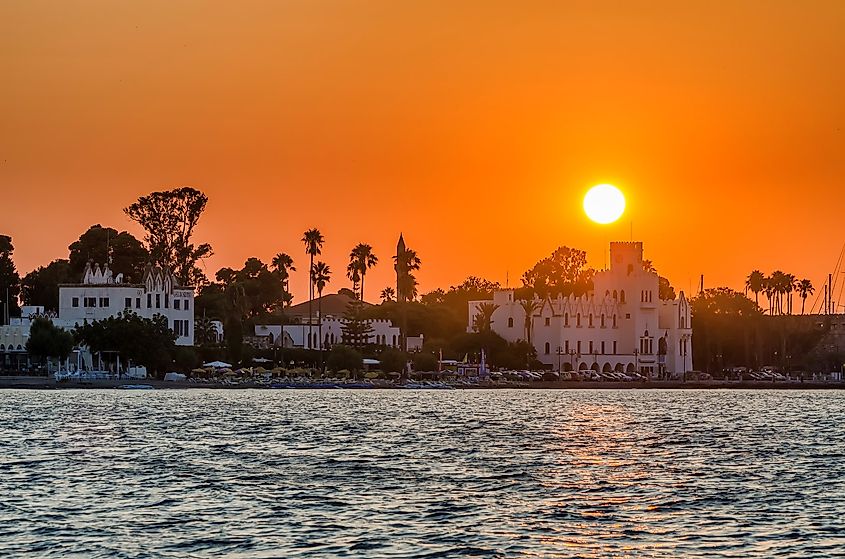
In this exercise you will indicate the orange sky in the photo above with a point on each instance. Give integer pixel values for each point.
(473, 127)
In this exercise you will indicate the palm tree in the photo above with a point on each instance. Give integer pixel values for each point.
(363, 259)
(388, 294)
(484, 317)
(283, 264)
(804, 289)
(755, 284)
(529, 306)
(778, 282)
(313, 240)
(790, 285)
(354, 276)
(320, 276)
(205, 331)
(406, 262)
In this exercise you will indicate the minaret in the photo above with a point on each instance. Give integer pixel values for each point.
(400, 271)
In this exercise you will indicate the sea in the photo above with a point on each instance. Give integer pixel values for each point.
(422, 473)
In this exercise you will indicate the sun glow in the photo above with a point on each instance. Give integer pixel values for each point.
(604, 203)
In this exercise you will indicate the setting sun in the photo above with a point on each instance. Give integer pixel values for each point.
(604, 203)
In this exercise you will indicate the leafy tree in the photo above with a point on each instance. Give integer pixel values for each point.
(724, 323)
(424, 361)
(356, 329)
(393, 360)
(563, 272)
(344, 357)
(233, 331)
(149, 342)
(169, 218)
(185, 358)
(41, 286)
(46, 340)
(10, 281)
(665, 291)
(104, 245)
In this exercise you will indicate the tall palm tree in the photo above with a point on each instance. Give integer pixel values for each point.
(529, 306)
(804, 288)
(388, 294)
(283, 264)
(354, 276)
(755, 284)
(362, 258)
(790, 285)
(320, 276)
(313, 240)
(406, 262)
(483, 319)
(778, 281)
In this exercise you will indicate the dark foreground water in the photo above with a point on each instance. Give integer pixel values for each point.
(422, 473)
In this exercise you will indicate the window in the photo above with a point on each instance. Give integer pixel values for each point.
(622, 296)
(591, 347)
(579, 347)
(166, 300)
(186, 303)
(602, 321)
(74, 302)
(578, 320)
(546, 348)
(566, 346)
(127, 303)
(614, 347)
(615, 295)
(591, 321)
(176, 304)
(602, 348)
(149, 300)
(614, 321)
(137, 302)
(627, 315)
(548, 321)
(104, 302)
(158, 300)
(566, 320)
(510, 322)
(89, 302)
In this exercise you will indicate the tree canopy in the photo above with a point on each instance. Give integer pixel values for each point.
(149, 342)
(102, 245)
(41, 286)
(564, 272)
(10, 281)
(169, 218)
(46, 340)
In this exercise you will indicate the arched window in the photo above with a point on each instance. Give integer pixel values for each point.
(591, 320)
(607, 294)
(615, 295)
(547, 348)
(614, 321)
(602, 321)
(510, 322)
(394, 339)
(578, 320)
(622, 296)
(566, 320)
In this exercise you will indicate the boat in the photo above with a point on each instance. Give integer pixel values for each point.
(136, 387)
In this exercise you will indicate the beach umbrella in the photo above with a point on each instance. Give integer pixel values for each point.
(217, 365)
(260, 360)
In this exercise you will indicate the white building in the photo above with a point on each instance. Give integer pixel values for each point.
(621, 325)
(297, 335)
(100, 295)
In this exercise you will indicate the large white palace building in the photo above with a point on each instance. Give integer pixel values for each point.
(101, 295)
(622, 325)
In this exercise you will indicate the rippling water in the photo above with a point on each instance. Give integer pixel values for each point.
(380, 473)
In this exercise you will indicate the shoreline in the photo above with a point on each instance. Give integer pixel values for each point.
(43, 383)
